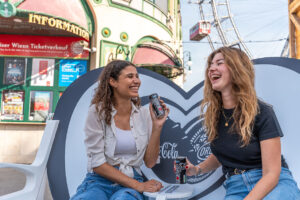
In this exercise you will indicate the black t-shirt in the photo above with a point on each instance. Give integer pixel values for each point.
(227, 146)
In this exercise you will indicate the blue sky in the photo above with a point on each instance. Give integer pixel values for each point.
(262, 24)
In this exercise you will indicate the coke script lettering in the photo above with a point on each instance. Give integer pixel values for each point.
(168, 150)
(203, 151)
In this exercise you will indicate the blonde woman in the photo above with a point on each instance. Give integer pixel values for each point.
(243, 131)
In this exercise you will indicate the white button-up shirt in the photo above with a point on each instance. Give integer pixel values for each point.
(100, 139)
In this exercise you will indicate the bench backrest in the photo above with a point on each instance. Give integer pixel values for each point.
(277, 82)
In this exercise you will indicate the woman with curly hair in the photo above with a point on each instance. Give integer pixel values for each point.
(119, 136)
(243, 132)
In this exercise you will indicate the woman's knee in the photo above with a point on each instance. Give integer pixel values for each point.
(233, 197)
(90, 194)
(127, 194)
(284, 191)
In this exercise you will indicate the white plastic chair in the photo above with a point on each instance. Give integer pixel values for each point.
(36, 173)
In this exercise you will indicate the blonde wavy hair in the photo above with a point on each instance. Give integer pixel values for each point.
(242, 75)
(104, 93)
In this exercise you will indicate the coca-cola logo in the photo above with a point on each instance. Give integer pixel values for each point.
(189, 141)
(199, 149)
(168, 150)
(200, 145)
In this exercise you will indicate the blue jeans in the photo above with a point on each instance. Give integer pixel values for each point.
(238, 186)
(96, 187)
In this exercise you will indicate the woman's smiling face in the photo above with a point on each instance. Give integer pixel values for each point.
(219, 74)
(128, 83)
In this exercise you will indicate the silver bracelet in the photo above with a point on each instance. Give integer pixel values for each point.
(200, 170)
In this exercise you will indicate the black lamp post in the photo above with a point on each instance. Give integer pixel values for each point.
(187, 60)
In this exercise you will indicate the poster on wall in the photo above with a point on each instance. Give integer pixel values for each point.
(70, 70)
(14, 71)
(12, 105)
(42, 72)
(40, 105)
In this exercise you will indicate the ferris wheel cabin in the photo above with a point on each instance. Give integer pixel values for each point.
(200, 30)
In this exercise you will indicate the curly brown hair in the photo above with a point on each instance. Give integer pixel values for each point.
(104, 96)
(242, 73)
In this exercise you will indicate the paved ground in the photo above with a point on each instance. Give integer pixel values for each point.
(12, 180)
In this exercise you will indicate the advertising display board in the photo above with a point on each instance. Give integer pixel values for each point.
(69, 70)
(42, 72)
(14, 71)
(40, 105)
(277, 82)
(42, 46)
(12, 105)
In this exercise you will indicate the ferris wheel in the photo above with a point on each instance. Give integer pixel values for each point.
(258, 26)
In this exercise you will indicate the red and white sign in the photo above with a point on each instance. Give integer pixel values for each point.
(41, 46)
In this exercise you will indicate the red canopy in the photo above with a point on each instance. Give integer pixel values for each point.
(145, 55)
(71, 10)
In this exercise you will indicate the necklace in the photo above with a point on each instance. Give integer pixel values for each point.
(227, 119)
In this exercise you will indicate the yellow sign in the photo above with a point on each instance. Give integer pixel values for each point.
(58, 23)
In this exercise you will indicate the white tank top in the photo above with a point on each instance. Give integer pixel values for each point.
(125, 145)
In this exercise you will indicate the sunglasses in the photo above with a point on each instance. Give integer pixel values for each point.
(235, 46)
